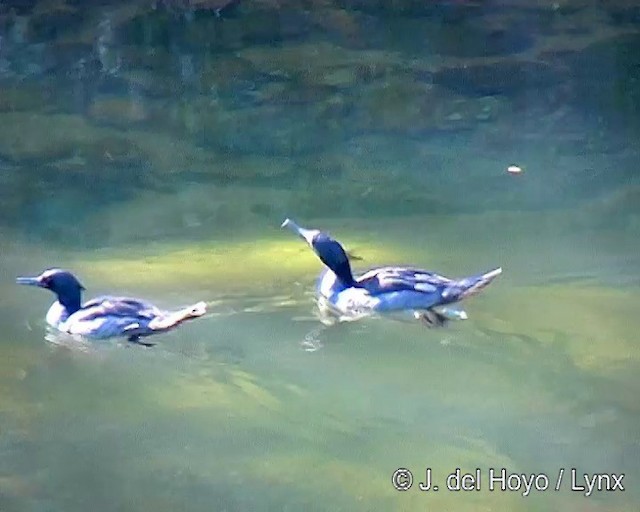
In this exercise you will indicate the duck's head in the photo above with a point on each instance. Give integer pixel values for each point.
(330, 252)
(61, 282)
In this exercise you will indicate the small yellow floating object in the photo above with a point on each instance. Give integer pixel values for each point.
(514, 169)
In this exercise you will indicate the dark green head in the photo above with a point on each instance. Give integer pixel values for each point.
(61, 282)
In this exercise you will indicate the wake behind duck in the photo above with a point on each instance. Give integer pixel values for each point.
(385, 290)
(105, 317)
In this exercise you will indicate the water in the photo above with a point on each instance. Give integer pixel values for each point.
(155, 151)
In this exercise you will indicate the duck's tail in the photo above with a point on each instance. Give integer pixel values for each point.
(469, 286)
(171, 320)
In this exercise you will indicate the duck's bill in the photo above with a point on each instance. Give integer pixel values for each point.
(305, 234)
(287, 223)
(29, 281)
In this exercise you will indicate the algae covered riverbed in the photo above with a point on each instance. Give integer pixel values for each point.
(231, 408)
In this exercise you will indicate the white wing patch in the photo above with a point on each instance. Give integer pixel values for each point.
(424, 287)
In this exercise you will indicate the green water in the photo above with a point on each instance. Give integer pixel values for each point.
(155, 152)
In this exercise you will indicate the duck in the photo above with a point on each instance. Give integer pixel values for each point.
(426, 295)
(105, 316)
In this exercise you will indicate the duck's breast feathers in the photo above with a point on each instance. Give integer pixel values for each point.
(328, 284)
(387, 280)
(56, 315)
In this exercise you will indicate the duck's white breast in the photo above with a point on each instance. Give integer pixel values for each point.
(83, 327)
(328, 284)
(56, 315)
(356, 301)
(347, 301)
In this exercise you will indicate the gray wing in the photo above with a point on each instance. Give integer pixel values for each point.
(125, 307)
(395, 279)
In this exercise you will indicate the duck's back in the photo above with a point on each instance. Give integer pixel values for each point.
(106, 317)
(385, 289)
(119, 306)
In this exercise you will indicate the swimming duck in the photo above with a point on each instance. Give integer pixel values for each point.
(385, 289)
(105, 317)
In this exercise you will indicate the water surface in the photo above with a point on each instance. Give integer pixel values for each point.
(155, 152)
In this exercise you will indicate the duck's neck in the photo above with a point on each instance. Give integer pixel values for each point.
(71, 302)
(333, 255)
(344, 274)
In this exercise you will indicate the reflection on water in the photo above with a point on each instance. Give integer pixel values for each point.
(155, 149)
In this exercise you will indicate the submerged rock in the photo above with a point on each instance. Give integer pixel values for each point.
(622, 11)
(171, 156)
(153, 83)
(259, 24)
(441, 8)
(501, 77)
(71, 144)
(119, 111)
(21, 96)
(19, 7)
(412, 107)
(605, 72)
(215, 7)
(271, 130)
(365, 181)
(312, 58)
(344, 25)
(560, 6)
(48, 137)
(64, 140)
(225, 74)
(50, 20)
(214, 25)
(252, 169)
(479, 40)
(616, 208)
(114, 151)
(399, 104)
(197, 211)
